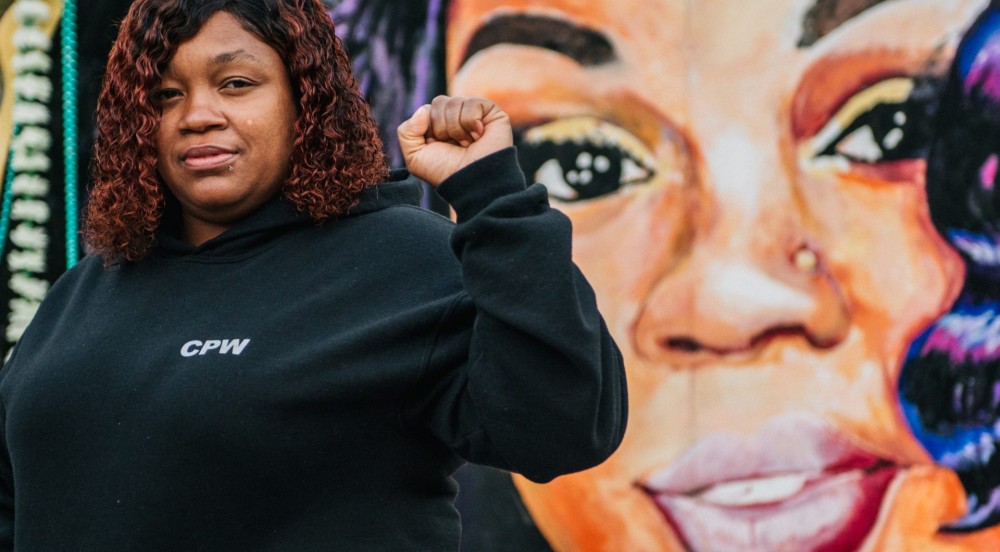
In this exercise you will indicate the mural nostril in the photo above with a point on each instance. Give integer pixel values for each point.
(690, 345)
(683, 344)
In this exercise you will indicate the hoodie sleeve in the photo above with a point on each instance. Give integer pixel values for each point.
(524, 375)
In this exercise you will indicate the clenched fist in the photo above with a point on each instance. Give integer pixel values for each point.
(450, 133)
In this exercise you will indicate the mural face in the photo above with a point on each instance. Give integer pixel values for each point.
(746, 182)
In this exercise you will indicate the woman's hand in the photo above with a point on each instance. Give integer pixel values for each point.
(450, 133)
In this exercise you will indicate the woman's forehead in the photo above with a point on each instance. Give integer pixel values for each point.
(221, 40)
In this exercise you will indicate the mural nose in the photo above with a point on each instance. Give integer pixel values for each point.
(717, 307)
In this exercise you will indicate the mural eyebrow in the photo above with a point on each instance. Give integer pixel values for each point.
(585, 45)
(826, 15)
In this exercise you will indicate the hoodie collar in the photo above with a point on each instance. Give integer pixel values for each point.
(400, 189)
(277, 217)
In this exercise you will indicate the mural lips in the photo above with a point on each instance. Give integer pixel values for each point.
(795, 485)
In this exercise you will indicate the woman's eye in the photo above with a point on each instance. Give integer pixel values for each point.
(165, 94)
(583, 158)
(888, 121)
(237, 83)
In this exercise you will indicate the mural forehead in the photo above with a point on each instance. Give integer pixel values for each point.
(807, 20)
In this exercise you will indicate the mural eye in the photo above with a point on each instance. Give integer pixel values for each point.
(888, 121)
(582, 158)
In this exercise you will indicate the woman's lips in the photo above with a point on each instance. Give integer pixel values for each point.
(795, 485)
(207, 157)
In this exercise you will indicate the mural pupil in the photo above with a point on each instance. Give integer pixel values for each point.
(892, 131)
(889, 123)
(572, 171)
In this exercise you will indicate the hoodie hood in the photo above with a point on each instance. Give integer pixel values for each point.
(278, 216)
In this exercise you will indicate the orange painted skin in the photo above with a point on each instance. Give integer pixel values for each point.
(763, 279)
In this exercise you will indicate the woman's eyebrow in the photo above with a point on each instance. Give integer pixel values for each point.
(235, 55)
(584, 44)
(826, 15)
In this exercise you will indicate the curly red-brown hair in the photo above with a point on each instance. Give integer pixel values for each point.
(336, 152)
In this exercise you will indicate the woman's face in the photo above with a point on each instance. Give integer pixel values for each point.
(226, 130)
(746, 185)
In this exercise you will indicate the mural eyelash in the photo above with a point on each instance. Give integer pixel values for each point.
(888, 121)
(582, 158)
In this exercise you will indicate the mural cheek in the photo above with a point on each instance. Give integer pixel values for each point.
(919, 502)
(896, 272)
(624, 242)
(575, 512)
(896, 275)
(864, 405)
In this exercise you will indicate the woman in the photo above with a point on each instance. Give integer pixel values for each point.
(271, 351)
(745, 181)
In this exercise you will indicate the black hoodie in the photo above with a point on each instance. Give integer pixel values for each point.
(293, 386)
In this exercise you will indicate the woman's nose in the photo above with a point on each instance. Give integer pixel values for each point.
(201, 113)
(723, 303)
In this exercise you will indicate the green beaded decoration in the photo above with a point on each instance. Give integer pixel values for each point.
(8, 197)
(68, 44)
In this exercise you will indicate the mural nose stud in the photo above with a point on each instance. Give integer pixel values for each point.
(805, 259)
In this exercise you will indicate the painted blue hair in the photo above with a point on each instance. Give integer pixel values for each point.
(950, 385)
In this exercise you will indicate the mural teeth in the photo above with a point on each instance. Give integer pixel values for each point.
(750, 492)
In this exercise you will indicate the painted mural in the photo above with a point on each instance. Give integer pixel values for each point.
(788, 209)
